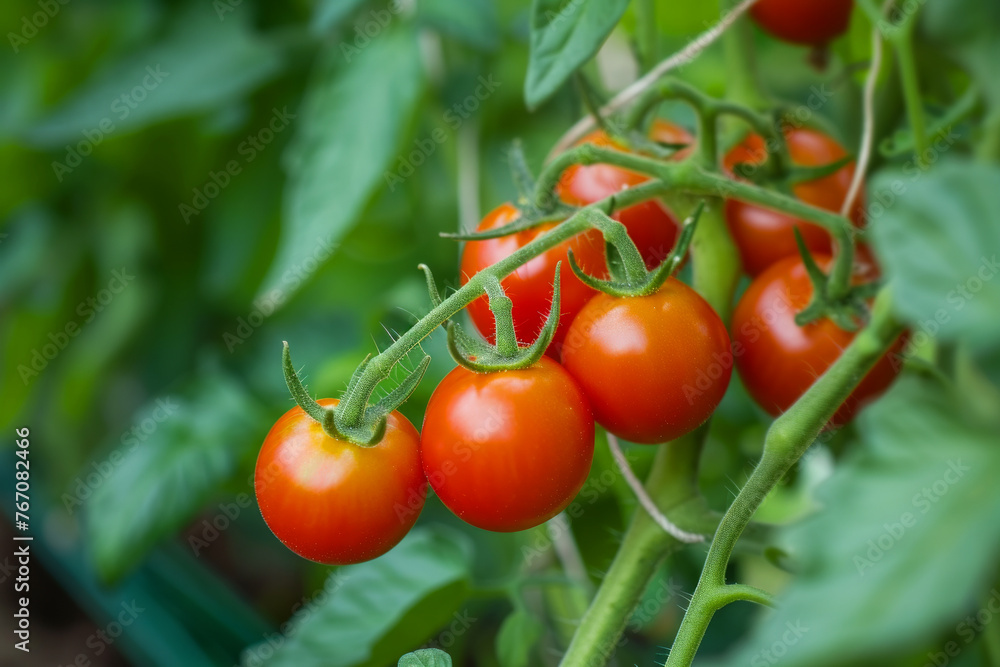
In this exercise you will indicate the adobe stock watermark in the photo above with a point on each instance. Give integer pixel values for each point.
(84, 486)
(120, 108)
(86, 311)
(452, 119)
(30, 25)
(100, 641)
(968, 629)
(259, 654)
(369, 28)
(248, 150)
(885, 197)
(462, 452)
(779, 648)
(956, 299)
(922, 502)
(211, 529)
(265, 305)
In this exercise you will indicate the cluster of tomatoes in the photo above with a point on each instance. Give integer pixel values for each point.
(508, 450)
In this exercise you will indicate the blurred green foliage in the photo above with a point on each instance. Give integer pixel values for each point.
(187, 184)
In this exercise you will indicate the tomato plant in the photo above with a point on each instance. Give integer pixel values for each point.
(333, 501)
(778, 360)
(810, 23)
(529, 286)
(653, 367)
(763, 235)
(650, 224)
(508, 450)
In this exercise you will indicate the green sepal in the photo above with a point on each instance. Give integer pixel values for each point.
(648, 282)
(400, 394)
(431, 285)
(520, 172)
(319, 413)
(479, 356)
(529, 219)
(850, 313)
(797, 174)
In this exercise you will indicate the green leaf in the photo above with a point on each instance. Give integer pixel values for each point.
(372, 612)
(564, 35)
(166, 468)
(908, 541)
(517, 638)
(937, 236)
(201, 64)
(354, 118)
(425, 657)
(331, 13)
(474, 22)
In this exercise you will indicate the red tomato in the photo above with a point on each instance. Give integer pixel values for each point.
(651, 226)
(335, 502)
(530, 286)
(509, 450)
(764, 236)
(653, 367)
(809, 22)
(778, 360)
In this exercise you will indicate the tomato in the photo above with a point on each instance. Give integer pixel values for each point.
(335, 502)
(809, 22)
(764, 236)
(778, 360)
(651, 226)
(530, 286)
(653, 367)
(509, 450)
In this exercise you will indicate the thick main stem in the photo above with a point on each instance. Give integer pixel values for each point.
(645, 545)
(787, 440)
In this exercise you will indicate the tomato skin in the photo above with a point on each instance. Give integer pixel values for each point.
(779, 360)
(651, 225)
(810, 22)
(764, 236)
(653, 367)
(507, 451)
(530, 285)
(335, 502)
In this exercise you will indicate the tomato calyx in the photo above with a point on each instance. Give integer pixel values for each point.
(849, 312)
(477, 355)
(629, 275)
(370, 428)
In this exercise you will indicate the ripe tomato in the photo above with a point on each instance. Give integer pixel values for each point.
(813, 22)
(509, 450)
(651, 226)
(778, 360)
(653, 367)
(764, 236)
(530, 286)
(335, 502)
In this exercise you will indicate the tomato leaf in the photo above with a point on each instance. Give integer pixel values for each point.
(201, 64)
(367, 614)
(163, 471)
(938, 240)
(911, 516)
(425, 657)
(564, 36)
(353, 119)
(517, 638)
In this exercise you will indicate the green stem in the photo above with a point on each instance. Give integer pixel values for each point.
(901, 38)
(671, 484)
(787, 439)
(647, 36)
(668, 177)
(743, 84)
